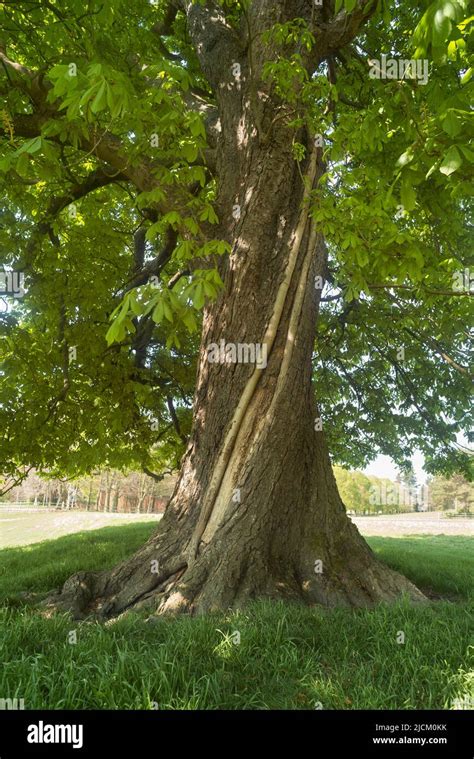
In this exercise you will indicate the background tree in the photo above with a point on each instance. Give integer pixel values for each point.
(355, 489)
(407, 487)
(451, 493)
(232, 167)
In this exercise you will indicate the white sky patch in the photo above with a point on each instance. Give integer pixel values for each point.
(384, 467)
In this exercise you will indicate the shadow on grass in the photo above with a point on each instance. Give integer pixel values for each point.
(40, 567)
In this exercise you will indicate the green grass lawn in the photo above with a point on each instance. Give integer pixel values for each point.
(43, 566)
(289, 657)
(440, 565)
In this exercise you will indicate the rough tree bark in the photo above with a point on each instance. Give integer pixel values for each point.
(256, 511)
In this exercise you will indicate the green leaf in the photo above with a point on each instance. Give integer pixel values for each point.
(198, 297)
(190, 151)
(154, 231)
(191, 224)
(467, 153)
(405, 158)
(5, 163)
(115, 333)
(441, 28)
(173, 218)
(32, 146)
(22, 164)
(407, 194)
(100, 100)
(167, 311)
(135, 306)
(200, 175)
(86, 96)
(451, 162)
(197, 127)
(158, 312)
(190, 321)
(362, 256)
(209, 288)
(114, 101)
(208, 214)
(451, 124)
(222, 247)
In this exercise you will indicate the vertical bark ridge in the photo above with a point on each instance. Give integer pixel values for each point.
(253, 425)
(224, 460)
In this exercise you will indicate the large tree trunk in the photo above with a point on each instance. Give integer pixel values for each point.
(256, 511)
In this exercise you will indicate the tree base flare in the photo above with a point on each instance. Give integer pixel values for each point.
(217, 582)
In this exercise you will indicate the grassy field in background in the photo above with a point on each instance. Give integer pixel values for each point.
(289, 657)
(23, 527)
(43, 566)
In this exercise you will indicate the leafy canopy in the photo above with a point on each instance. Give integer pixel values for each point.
(108, 171)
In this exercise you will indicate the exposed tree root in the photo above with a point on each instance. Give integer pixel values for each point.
(216, 583)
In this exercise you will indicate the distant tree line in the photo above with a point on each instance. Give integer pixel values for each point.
(361, 493)
(103, 491)
(367, 494)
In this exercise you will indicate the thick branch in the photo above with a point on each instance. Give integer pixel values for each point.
(174, 417)
(103, 145)
(339, 31)
(154, 267)
(164, 29)
(215, 41)
(154, 476)
(95, 180)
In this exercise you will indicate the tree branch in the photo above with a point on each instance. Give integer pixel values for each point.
(154, 267)
(340, 30)
(96, 179)
(164, 28)
(174, 417)
(154, 476)
(217, 44)
(448, 293)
